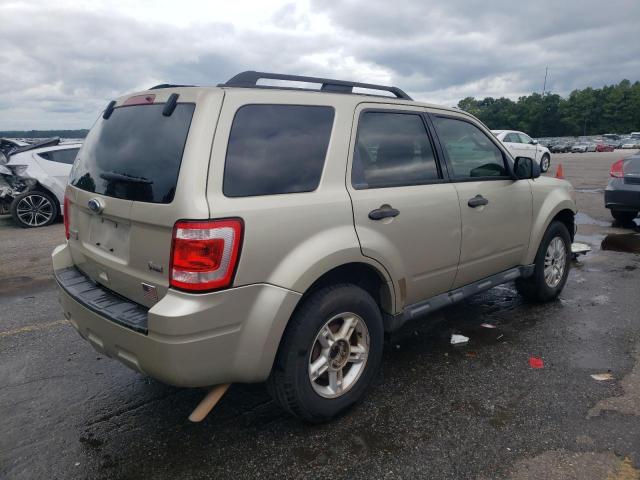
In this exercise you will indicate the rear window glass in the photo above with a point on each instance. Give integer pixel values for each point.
(276, 149)
(61, 156)
(135, 154)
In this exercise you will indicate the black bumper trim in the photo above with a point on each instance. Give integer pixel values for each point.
(102, 300)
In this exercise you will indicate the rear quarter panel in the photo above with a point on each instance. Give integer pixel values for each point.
(290, 240)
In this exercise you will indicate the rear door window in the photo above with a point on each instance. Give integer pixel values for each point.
(135, 154)
(392, 150)
(276, 149)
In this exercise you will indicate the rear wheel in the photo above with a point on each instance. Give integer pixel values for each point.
(624, 216)
(329, 353)
(545, 163)
(551, 267)
(34, 209)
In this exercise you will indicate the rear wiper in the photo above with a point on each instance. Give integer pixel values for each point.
(121, 177)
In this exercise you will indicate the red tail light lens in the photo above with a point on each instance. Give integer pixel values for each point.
(65, 214)
(204, 254)
(617, 169)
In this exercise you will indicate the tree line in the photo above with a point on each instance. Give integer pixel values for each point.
(590, 111)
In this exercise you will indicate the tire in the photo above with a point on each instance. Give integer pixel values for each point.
(291, 383)
(542, 288)
(624, 216)
(35, 208)
(545, 163)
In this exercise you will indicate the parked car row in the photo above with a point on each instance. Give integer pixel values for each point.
(33, 179)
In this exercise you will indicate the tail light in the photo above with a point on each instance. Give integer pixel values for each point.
(617, 170)
(204, 254)
(65, 214)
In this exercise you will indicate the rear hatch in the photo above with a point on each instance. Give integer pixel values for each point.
(137, 173)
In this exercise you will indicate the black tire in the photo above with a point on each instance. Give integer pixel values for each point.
(535, 287)
(545, 163)
(290, 384)
(624, 216)
(34, 197)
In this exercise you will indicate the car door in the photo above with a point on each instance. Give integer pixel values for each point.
(57, 164)
(406, 212)
(495, 209)
(529, 149)
(512, 141)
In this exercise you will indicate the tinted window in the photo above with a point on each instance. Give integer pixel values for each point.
(512, 138)
(61, 156)
(135, 154)
(276, 149)
(470, 152)
(393, 149)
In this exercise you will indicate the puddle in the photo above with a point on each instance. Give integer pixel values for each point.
(584, 219)
(593, 240)
(622, 242)
(589, 190)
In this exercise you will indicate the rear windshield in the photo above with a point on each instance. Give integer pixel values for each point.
(135, 154)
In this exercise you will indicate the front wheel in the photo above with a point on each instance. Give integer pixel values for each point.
(551, 267)
(34, 209)
(545, 163)
(329, 354)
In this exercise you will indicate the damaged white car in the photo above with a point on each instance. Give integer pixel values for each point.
(33, 179)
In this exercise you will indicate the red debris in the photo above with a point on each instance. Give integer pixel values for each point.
(536, 362)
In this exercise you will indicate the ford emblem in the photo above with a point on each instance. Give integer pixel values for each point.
(95, 205)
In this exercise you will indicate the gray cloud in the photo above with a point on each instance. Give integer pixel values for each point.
(60, 67)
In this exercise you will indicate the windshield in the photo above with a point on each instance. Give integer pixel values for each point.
(135, 154)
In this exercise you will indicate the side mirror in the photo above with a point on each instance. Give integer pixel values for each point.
(534, 142)
(525, 168)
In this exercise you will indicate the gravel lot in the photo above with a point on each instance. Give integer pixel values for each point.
(435, 411)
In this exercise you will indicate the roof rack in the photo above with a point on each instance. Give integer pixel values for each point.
(250, 79)
(168, 85)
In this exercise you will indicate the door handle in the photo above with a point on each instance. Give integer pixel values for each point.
(380, 213)
(477, 201)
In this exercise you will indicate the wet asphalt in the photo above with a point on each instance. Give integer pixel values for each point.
(435, 410)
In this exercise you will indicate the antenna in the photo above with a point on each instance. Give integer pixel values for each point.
(546, 70)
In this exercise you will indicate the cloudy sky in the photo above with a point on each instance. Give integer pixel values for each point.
(63, 60)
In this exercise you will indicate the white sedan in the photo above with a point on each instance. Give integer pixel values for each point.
(33, 180)
(520, 144)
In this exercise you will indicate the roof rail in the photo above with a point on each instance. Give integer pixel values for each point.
(168, 85)
(250, 79)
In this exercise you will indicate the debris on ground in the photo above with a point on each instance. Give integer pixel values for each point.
(536, 362)
(487, 325)
(600, 377)
(457, 339)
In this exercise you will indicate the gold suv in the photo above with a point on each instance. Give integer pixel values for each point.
(251, 232)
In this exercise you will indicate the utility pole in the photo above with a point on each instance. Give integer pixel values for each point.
(544, 87)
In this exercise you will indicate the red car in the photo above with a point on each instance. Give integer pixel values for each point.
(604, 147)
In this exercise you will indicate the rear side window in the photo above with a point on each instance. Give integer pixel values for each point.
(276, 149)
(61, 156)
(470, 152)
(135, 154)
(392, 150)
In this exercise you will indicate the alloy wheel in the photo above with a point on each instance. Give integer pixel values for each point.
(338, 355)
(35, 210)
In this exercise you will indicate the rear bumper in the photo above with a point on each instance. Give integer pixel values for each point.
(622, 196)
(192, 340)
